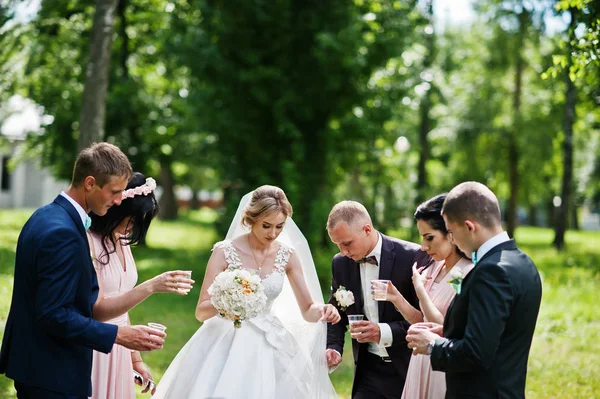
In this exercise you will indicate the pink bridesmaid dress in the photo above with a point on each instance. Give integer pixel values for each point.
(421, 381)
(112, 374)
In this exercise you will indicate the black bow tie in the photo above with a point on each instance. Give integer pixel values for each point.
(369, 259)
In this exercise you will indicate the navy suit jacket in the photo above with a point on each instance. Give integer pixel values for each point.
(50, 333)
(397, 258)
(489, 327)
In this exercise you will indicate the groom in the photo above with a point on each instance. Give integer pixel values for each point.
(50, 334)
(380, 354)
(489, 326)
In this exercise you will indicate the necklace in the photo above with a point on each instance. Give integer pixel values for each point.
(254, 256)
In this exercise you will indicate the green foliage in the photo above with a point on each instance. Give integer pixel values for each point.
(277, 84)
(482, 119)
(586, 51)
(321, 98)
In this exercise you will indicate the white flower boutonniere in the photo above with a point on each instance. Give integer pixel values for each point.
(456, 279)
(344, 297)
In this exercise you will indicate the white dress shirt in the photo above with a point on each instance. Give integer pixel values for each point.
(370, 272)
(491, 243)
(78, 207)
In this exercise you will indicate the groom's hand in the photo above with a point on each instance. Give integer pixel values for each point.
(419, 335)
(366, 331)
(140, 338)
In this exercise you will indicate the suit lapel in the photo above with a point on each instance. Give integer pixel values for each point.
(357, 283)
(449, 311)
(385, 267)
(67, 206)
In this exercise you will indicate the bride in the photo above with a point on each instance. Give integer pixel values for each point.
(278, 354)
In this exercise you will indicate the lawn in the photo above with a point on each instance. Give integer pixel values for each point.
(565, 357)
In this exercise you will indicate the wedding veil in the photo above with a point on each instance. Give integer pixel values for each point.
(309, 366)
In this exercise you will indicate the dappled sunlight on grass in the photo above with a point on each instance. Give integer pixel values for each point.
(564, 356)
(564, 359)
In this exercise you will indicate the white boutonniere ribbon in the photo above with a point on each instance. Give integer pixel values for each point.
(456, 279)
(344, 297)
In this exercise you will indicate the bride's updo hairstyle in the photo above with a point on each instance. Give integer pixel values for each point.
(265, 201)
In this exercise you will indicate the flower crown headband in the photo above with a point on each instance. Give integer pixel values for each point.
(144, 189)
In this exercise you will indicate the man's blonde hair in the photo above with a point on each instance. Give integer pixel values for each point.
(350, 212)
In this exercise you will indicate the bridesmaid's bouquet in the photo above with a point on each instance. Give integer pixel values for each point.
(238, 295)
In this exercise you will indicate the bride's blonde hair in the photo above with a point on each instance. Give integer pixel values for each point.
(266, 200)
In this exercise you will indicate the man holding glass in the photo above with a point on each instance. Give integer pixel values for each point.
(379, 345)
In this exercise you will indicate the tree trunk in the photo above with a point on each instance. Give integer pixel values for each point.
(567, 179)
(532, 215)
(93, 107)
(168, 201)
(573, 220)
(551, 210)
(425, 125)
(195, 200)
(124, 37)
(513, 146)
(392, 216)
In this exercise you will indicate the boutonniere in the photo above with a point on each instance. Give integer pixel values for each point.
(344, 297)
(456, 279)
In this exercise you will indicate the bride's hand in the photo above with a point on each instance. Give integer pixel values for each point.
(330, 314)
(147, 380)
(175, 281)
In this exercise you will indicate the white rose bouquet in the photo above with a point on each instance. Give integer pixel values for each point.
(238, 295)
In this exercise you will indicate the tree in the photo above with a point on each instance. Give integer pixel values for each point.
(579, 64)
(281, 86)
(425, 105)
(93, 108)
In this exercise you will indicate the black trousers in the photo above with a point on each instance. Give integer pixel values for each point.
(28, 392)
(376, 379)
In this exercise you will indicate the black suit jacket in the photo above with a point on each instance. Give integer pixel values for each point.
(489, 327)
(50, 332)
(397, 258)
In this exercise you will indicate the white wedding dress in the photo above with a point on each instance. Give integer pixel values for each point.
(261, 359)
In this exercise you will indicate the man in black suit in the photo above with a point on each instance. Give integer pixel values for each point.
(489, 325)
(50, 333)
(381, 356)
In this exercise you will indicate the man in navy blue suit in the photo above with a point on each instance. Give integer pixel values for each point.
(50, 333)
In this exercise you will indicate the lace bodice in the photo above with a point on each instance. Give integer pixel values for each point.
(273, 282)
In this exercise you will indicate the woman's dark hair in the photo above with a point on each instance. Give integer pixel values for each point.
(141, 208)
(430, 211)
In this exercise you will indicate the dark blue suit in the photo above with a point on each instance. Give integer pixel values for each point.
(50, 332)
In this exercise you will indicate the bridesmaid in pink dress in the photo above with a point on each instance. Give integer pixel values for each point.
(111, 237)
(434, 292)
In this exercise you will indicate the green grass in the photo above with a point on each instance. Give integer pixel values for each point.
(564, 360)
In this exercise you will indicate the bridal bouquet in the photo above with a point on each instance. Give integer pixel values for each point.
(238, 295)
